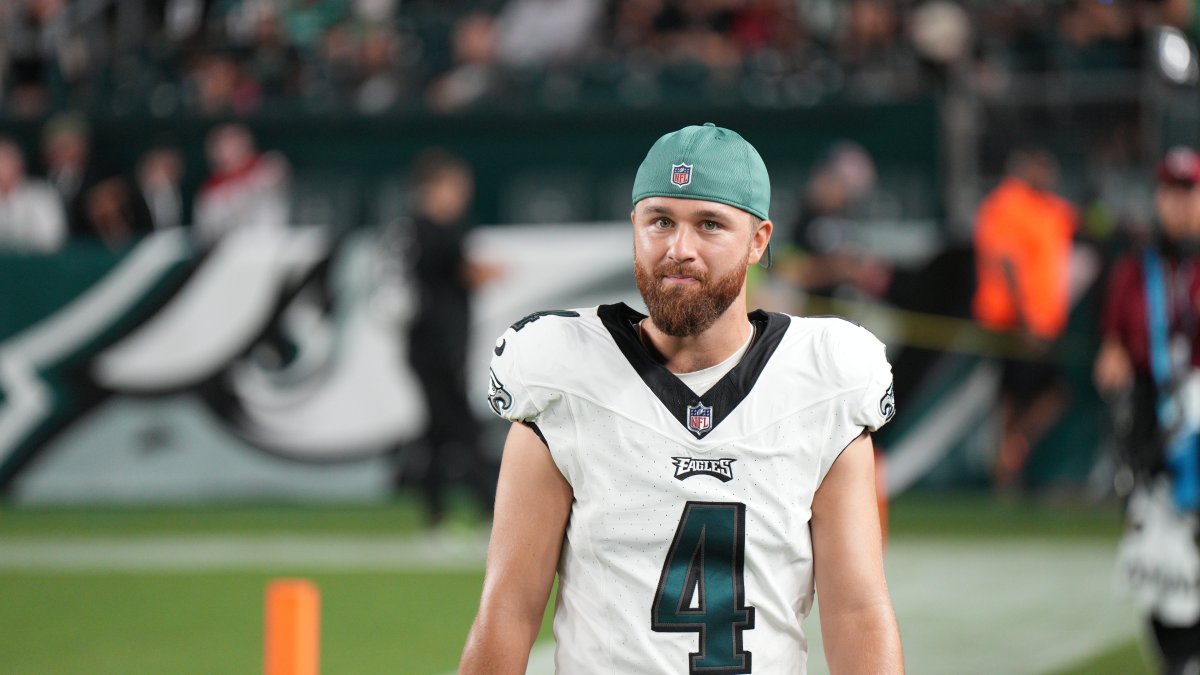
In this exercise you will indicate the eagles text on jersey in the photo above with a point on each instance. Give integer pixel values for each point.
(688, 546)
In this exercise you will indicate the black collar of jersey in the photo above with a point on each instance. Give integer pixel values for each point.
(769, 327)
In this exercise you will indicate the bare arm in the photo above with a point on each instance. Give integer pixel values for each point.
(533, 502)
(857, 621)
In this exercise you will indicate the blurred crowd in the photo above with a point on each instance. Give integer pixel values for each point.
(81, 197)
(238, 57)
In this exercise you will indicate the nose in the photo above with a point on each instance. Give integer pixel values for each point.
(683, 245)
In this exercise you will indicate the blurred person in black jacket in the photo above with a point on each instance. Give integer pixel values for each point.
(160, 178)
(828, 255)
(443, 186)
(103, 203)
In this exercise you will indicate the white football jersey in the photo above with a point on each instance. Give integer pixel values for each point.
(688, 547)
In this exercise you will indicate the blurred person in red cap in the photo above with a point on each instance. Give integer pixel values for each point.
(1023, 239)
(1147, 365)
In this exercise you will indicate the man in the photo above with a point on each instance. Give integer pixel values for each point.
(1023, 239)
(443, 186)
(247, 188)
(31, 216)
(689, 474)
(828, 240)
(160, 179)
(1149, 355)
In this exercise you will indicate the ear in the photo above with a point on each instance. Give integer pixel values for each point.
(759, 241)
(633, 215)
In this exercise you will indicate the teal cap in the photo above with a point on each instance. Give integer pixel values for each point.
(705, 162)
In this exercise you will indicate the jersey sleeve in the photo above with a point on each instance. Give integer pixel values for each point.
(508, 396)
(526, 382)
(861, 372)
(877, 405)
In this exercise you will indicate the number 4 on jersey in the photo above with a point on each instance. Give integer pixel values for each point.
(702, 590)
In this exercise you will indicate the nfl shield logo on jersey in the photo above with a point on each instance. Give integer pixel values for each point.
(681, 174)
(699, 418)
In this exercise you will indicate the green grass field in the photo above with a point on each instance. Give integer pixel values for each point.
(179, 590)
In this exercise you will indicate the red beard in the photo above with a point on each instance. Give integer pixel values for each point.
(683, 311)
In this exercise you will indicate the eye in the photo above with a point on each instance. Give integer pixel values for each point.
(662, 223)
(710, 226)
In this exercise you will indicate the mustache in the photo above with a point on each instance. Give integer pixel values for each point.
(669, 269)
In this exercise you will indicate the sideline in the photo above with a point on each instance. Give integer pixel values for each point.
(425, 553)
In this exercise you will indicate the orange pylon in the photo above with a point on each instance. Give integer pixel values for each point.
(292, 628)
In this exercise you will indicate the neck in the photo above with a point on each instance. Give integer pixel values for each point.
(708, 348)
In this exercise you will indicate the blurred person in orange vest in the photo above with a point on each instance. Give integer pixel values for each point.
(1023, 238)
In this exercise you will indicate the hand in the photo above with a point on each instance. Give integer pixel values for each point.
(873, 277)
(1113, 370)
(479, 273)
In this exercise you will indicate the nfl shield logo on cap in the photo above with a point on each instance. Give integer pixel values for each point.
(699, 418)
(681, 174)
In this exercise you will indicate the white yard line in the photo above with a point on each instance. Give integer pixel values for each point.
(541, 659)
(201, 553)
(1001, 607)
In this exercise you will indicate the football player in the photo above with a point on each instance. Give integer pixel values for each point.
(694, 475)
